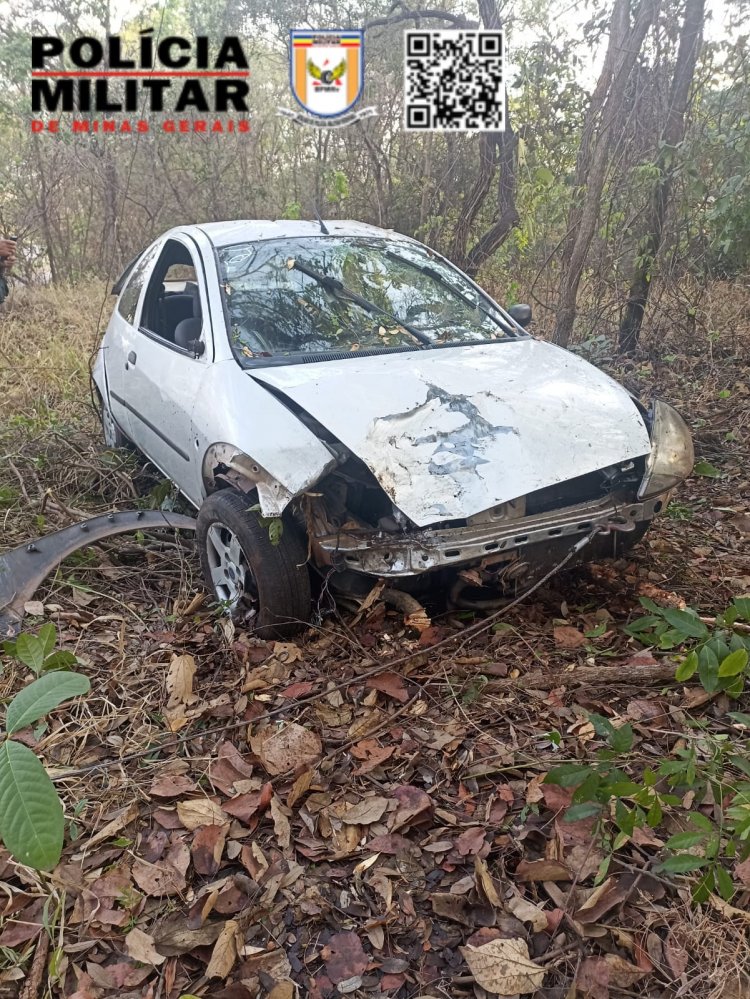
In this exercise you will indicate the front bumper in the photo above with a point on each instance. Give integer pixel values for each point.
(416, 552)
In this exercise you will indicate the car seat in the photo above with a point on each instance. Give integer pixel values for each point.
(187, 332)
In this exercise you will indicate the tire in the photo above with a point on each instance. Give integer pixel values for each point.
(265, 587)
(113, 436)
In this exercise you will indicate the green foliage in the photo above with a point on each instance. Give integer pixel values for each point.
(719, 655)
(31, 814)
(709, 768)
(274, 525)
(38, 651)
(602, 780)
(706, 768)
(42, 696)
(706, 469)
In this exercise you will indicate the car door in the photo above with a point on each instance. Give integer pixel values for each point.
(165, 360)
(120, 333)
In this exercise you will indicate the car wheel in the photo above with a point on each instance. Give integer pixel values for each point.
(113, 436)
(265, 587)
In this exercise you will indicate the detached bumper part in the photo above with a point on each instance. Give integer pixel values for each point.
(672, 455)
(417, 552)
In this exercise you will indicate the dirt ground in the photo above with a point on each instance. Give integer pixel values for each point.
(362, 810)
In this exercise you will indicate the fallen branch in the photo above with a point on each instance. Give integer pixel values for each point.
(636, 675)
(737, 626)
(37, 970)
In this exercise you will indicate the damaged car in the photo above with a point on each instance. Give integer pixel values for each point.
(343, 405)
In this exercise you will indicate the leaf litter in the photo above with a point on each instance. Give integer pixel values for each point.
(392, 837)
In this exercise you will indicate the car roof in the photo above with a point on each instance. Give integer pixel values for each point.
(251, 230)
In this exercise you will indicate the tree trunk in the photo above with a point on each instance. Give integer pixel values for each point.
(672, 135)
(594, 155)
(497, 150)
(45, 210)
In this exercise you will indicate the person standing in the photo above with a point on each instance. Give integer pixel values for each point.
(7, 259)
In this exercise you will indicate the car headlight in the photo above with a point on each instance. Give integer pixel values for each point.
(672, 456)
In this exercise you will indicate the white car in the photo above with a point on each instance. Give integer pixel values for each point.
(341, 404)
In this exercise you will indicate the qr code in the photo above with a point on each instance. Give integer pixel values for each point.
(454, 80)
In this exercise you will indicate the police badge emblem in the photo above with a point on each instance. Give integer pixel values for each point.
(326, 72)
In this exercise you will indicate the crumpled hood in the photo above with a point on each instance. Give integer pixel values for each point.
(452, 432)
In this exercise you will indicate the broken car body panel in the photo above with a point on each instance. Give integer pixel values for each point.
(451, 432)
(22, 569)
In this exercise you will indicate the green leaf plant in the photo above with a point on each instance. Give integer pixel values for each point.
(31, 813)
(713, 768)
(719, 655)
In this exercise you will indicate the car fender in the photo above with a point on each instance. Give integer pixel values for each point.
(245, 430)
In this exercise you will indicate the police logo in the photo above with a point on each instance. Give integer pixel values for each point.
(327, 75)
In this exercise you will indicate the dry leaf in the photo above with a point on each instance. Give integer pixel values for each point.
(245, 806)
(488, 886)
(176, 938)
(527, 912)
(504, 967)
(282, 990)
(161, 878)
(180, 681)
(122, 975)
(676, 955)
(126, 816)
(365, 812)
(455, 907)
(208, 846)
(229, 767)
(727, 910)
(742, 870)
(344, 957)
(392, 844)
(568, 638)
(224, 953)
(291, 749)
(413, 804)
(140, 946)
(471, 841)
(596, 974)
(200, 812)
(542, 870)
(172, 786)
(280, 823)
(285, 652)
(300, 787)
(372, 753)
(391, 684)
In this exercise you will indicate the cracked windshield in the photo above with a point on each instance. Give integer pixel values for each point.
(292, 296)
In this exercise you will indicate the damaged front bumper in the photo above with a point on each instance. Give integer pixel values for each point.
(416, 552)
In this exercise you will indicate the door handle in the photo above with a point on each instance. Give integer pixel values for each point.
(132, 357)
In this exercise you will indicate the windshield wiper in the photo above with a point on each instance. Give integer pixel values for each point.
(337, 287)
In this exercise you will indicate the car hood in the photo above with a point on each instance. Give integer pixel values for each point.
(451, 432)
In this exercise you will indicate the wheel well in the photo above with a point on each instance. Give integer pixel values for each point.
(225, 465)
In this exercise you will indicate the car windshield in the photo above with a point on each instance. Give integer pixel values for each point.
(326, 294)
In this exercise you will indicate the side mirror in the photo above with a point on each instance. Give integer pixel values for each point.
(198, 347)
(521, 314)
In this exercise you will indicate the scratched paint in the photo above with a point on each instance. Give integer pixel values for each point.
(450, 433)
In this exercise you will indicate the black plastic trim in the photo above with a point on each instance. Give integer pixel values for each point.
(343, 355)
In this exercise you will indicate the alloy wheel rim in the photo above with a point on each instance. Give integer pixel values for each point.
(231, 575)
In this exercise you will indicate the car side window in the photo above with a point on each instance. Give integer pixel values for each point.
(172, 304)
(128, 302)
